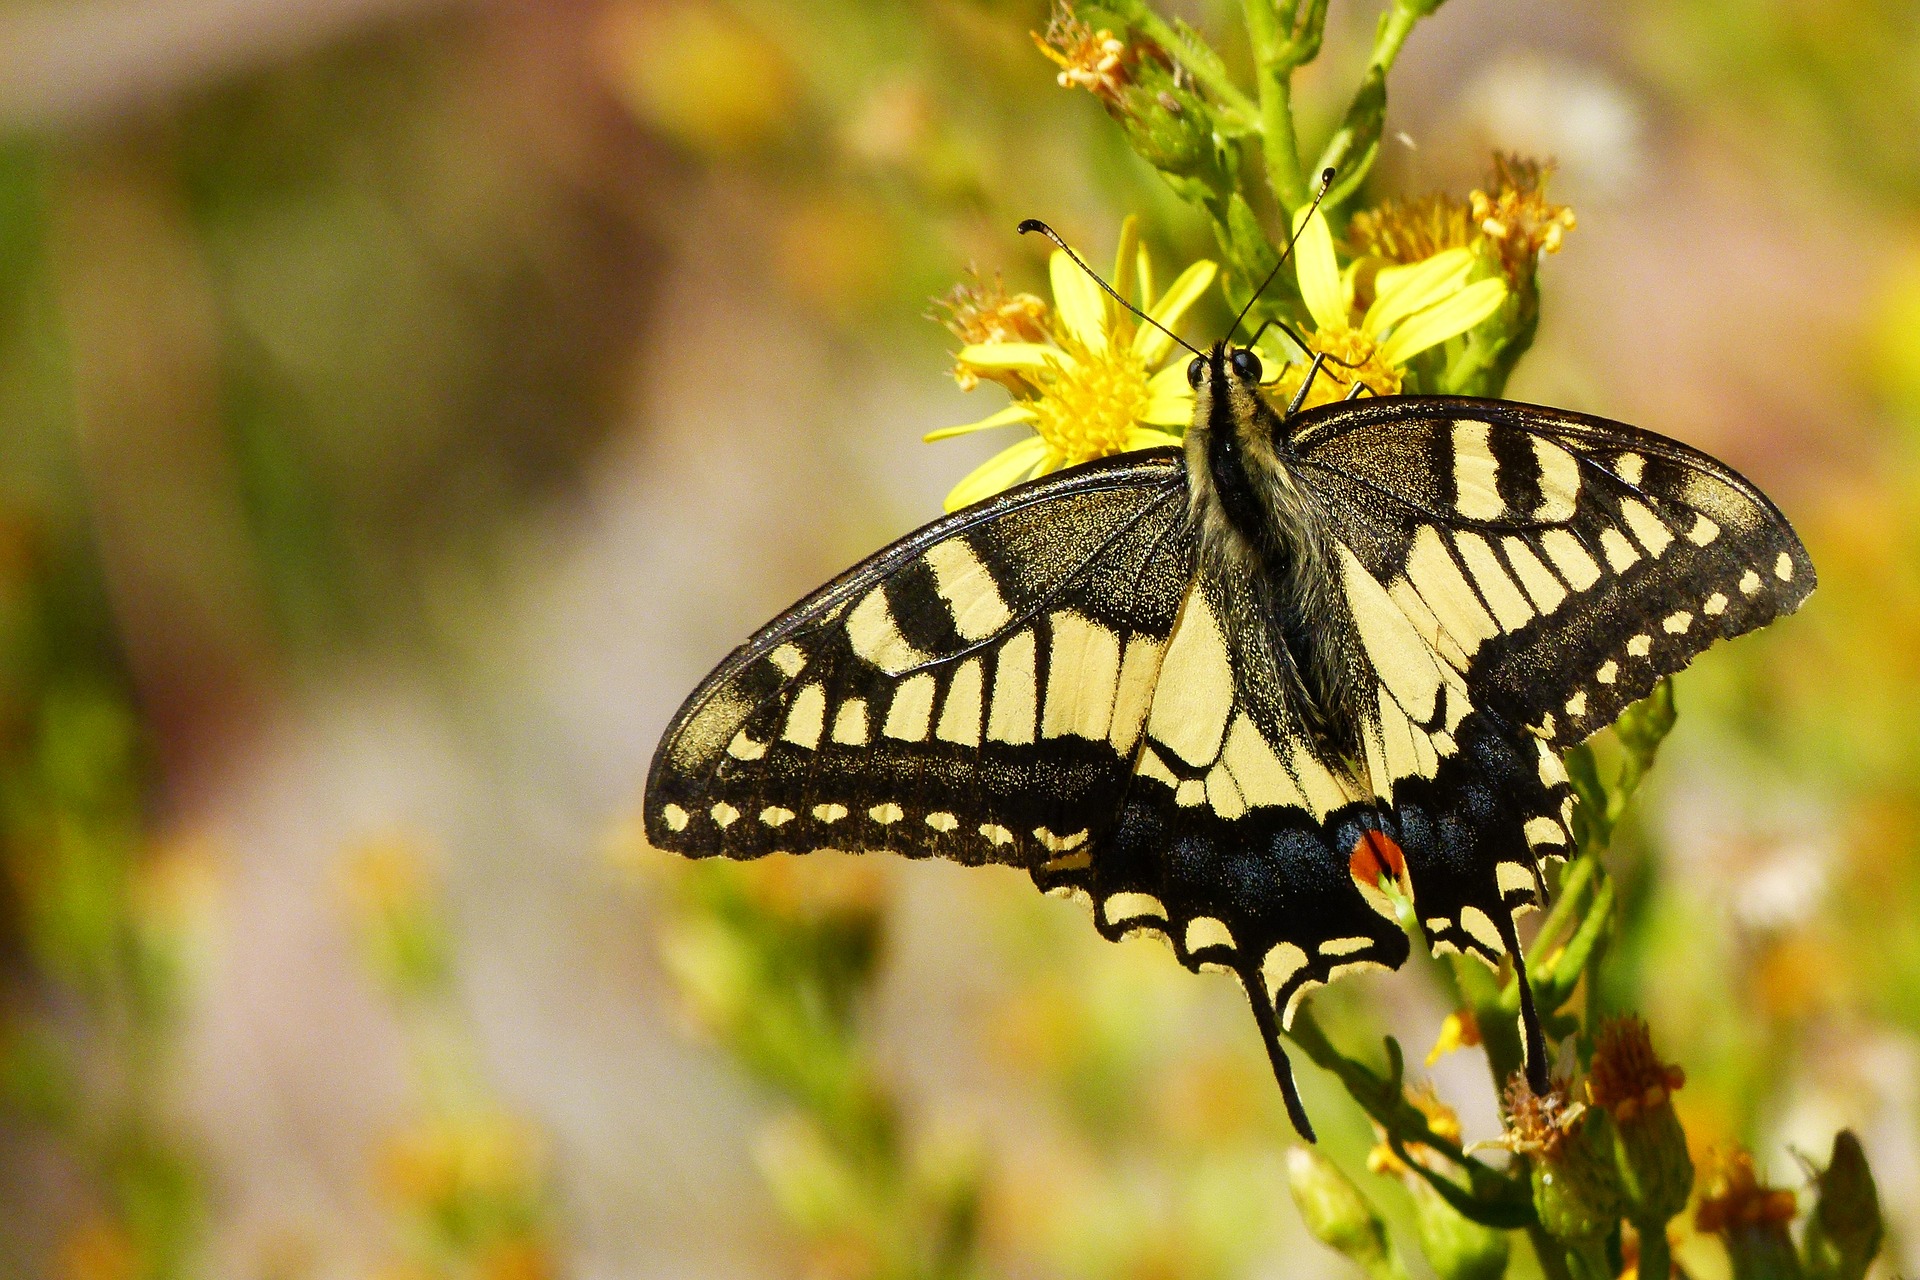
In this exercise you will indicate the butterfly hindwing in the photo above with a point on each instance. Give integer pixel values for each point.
(1237, 837)
(974, 691)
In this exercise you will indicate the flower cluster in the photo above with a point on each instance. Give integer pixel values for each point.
(1087, 378)
(1374, 326)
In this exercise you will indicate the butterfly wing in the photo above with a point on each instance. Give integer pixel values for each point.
(975, 691)
(1518, 576)
(1561, 563)
(1241, 840)
(1050, 680)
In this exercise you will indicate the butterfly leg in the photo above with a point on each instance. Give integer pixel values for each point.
(1306, 384)
(1263, 1014)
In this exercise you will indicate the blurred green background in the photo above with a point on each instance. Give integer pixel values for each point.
(404, 402)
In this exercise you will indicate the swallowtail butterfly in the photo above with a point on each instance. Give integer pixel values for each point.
(1231, 691)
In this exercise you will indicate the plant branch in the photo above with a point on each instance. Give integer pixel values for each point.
(1283, 38)
(1196, 55)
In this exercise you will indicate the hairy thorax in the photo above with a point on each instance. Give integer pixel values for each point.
(1261, 531)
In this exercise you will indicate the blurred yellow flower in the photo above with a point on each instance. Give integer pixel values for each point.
(1414, 307)
(1087, 378)
(1461, 1030)
(392, 903)
(518, 1258)
(448, 1160)
(386, 876)
(101, 1250)
(698, 74)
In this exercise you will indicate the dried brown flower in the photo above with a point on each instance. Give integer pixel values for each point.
(1539, 1124)
(978, 313)
(1735, 1197)
(1517, 217)
(1628, 1078)
(1098, 61)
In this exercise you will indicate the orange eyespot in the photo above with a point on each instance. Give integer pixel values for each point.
(1375, 855)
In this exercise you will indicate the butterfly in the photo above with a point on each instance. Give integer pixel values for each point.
(1245, 692)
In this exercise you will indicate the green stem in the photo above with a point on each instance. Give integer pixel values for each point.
(1656, 1256)
(1273, 55)
(1204, 65)
(1395, 26)
(1553, 1261)
(1587, 1261)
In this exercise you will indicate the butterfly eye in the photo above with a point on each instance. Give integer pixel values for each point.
(1196, 370)
(1246, 364)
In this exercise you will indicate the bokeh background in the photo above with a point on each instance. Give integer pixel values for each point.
(404, 402)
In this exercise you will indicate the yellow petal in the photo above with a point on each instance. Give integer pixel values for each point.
(1015, 412)
(1013, 355)
(1126, 259)
(1144, 275)
(1003, 470)
(1319, 272)
(1398, 292)
(1147, 438)
(1152, 345)
(1079, 302)
(1170, 381)
(1451, 318)
(1168, 411)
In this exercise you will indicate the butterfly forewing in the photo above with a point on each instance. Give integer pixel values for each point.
(974, 692)
(1562, 564)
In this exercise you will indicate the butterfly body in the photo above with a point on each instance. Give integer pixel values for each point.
(1236, 692)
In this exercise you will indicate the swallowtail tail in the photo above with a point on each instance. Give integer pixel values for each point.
(1230, 691)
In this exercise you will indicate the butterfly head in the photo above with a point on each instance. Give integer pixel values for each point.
(1227, 405)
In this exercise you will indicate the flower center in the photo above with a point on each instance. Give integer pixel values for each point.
(1342, 343)
(1089, 405)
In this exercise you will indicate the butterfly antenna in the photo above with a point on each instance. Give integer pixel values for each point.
(1034, 224)
(1326, 184)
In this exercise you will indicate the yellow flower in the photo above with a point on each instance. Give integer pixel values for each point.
(1414, 307)
(1094, 384)
(1461, 1030)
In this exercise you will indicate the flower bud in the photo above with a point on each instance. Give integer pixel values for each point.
(1456, 1247)
(1337, 1214)
(1149, 94)
(1751, 1220)
(1844, 1231)
(1576, 1190)
(1635, 1089)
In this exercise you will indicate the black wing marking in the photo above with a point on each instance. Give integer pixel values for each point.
(1240, 842)
(974, 691)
